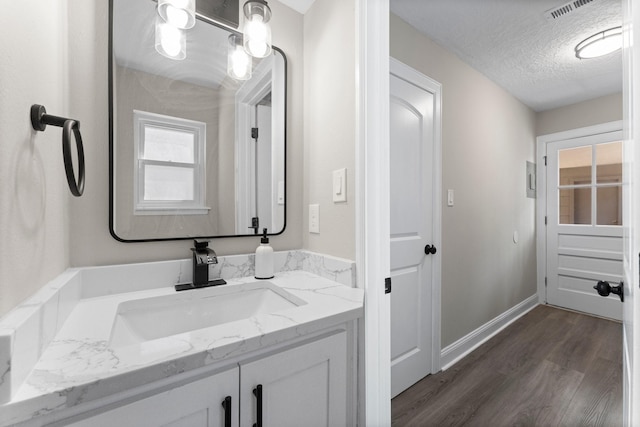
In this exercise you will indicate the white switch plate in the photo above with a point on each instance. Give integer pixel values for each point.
(314, 219)
(449, 197)
(340, 185)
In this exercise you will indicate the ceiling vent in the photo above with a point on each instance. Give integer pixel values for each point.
(560, 11)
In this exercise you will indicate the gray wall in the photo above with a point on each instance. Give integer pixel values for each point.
(588, 113)
(330, 122)
(138, 90)
(487, 137)
(34, 198)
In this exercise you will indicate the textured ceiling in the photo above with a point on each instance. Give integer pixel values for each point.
(513, 44)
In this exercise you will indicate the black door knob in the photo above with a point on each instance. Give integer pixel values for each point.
(429, 250)
(604, 289)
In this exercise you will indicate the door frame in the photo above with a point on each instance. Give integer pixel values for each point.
(372, 209)
(541, 190)
(422, 81)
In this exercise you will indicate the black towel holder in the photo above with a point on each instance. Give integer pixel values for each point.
(39, 121)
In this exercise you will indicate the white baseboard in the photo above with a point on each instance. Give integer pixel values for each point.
(452, 353)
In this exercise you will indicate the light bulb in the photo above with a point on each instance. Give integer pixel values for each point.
(179, 13)
(177, 17)
(257, 38)
(238, 61)
(257, 31)
(170, 41)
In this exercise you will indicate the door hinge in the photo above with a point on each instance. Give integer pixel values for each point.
(545, 220)
(387, 285)
(545, 282)
(545, 160)
(254, 133)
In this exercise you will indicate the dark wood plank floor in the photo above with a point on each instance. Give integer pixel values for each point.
(551, 367)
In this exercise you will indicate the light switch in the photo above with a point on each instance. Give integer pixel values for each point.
(314, 219)
(449, 197)
(340, 185)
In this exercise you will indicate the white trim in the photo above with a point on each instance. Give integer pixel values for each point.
(452, 353)
(631, 219)
(415, 77)
(541, 190)
(247, 97)
(372, 207)
(143, 120)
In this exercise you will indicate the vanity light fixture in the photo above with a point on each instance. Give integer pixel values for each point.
(256, 30)
(238, 61)
(170, 41)
(600, 44)
(179, 13)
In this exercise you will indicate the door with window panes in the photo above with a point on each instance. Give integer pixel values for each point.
(584, 222)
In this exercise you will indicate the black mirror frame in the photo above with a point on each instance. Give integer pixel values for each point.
(112, 142)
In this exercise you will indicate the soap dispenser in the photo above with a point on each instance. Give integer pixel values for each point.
(264, 258)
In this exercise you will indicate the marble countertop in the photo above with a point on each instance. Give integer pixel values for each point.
(80, 364)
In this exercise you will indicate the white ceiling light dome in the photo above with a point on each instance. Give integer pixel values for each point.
(600, 44)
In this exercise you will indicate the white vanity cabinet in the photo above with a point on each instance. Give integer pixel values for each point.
(305, 385)
(196, 404)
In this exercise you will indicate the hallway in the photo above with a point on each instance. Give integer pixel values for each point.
(549, 368)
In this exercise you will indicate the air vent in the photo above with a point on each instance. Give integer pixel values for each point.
(558, 12)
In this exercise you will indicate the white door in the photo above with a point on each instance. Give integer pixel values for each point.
(584, 222)
(414, 169)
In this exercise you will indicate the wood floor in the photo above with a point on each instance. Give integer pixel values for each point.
(549, 368)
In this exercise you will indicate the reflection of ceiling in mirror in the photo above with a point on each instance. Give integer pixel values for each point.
(134, 39)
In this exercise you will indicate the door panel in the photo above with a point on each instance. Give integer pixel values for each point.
(584, 233)
(411, 182)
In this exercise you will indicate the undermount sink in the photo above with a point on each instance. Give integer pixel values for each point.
(146, 319)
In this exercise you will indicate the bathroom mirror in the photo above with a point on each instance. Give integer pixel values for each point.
(193, 152)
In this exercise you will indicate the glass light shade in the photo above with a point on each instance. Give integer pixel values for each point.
(179, 13)
(600, 44)
(256, 30)
(170, 41)
(238, 60)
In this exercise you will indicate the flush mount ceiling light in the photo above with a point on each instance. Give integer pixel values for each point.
(257, 31)
(178, 13)
(600, 44)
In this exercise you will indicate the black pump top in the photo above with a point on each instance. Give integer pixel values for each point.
(264, 239)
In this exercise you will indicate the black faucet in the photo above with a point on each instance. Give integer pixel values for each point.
(203, 256)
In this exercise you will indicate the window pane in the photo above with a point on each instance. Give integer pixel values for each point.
(609, 205)
(168, 145)
(575, 206)
(574, 165)
(609, 162)
(168, 183)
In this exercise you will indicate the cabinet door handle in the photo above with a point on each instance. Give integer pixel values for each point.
(257, 392)
(226, 404)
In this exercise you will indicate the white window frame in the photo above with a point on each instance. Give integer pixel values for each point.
(144, 119)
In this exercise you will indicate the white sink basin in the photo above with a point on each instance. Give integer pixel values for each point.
(146, 319)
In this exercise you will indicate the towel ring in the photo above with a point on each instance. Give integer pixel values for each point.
(39, 121)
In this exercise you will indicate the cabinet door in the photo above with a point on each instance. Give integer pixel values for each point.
(303, 386)
(195, 404)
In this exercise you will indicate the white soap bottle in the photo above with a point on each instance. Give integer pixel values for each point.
(264, 258)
